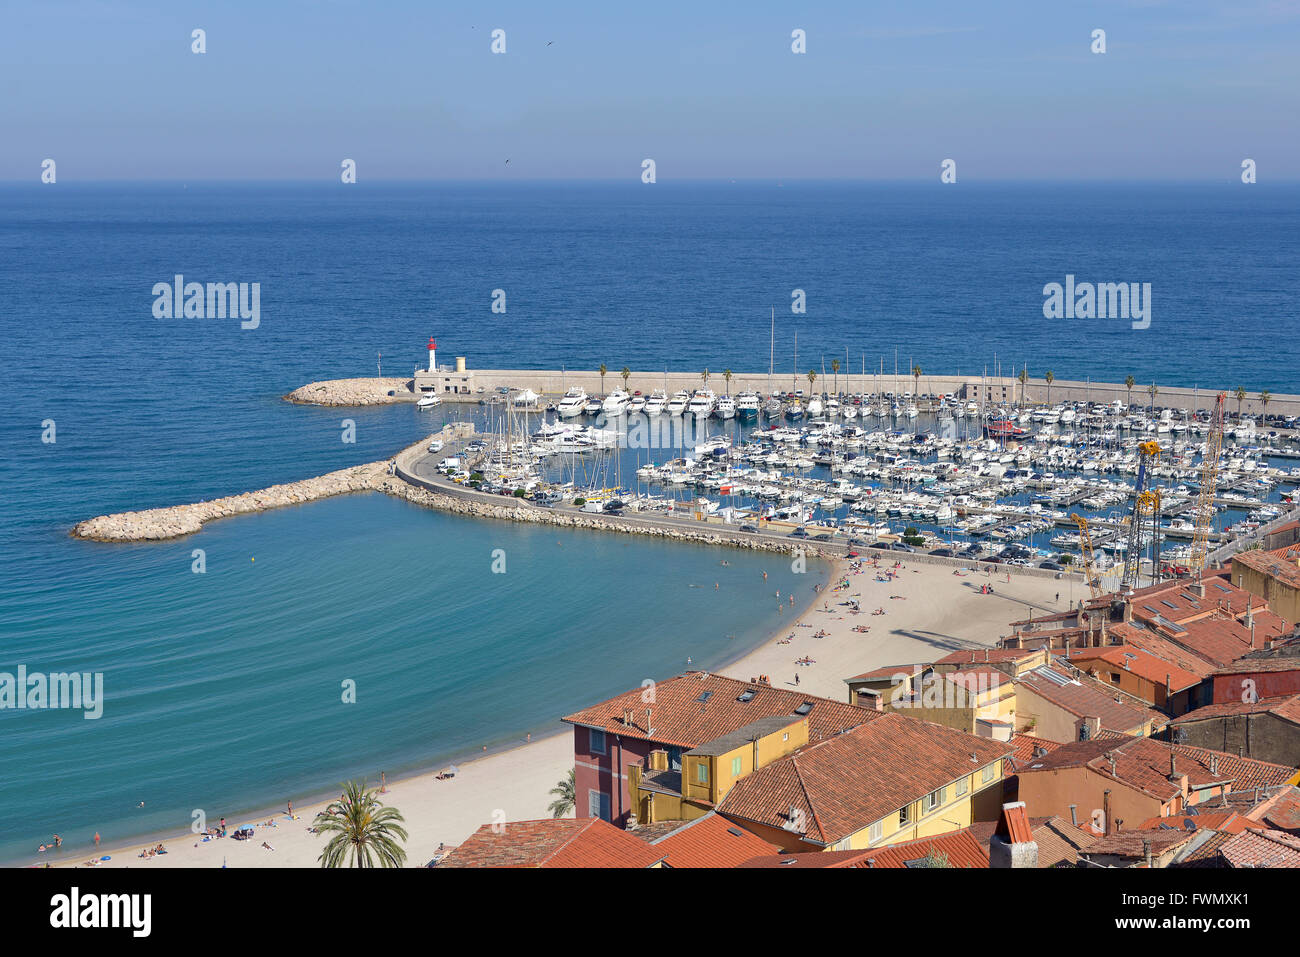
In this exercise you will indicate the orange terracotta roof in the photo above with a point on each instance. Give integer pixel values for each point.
(1281, 812)
(1137, 661)
(553, 842)
(1243, 772)
(835, 788)
(1133, 844)
(806, 859)
(888, 671)
(960, 848)
(1273, 665)
(982, 656)
(1144, 764)
(1029, 747)
(694, 708)
(1163, 648)
(1229, 822)
(711, 841)
(1220, 639)
(1286, 707)
(1261, 849)
(1279, 564)
(1085, 697)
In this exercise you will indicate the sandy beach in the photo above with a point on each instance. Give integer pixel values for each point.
(929, 611)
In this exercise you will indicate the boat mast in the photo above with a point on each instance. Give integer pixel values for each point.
(794, 373)
(771, 354)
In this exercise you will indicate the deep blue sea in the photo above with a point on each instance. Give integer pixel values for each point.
(223, 689)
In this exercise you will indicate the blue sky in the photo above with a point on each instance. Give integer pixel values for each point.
(410, 90)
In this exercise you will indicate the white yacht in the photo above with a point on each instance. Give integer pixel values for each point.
(616, 402)
(655, 404)
(726, 407)
(428, 401)
(636, 404)
(832, 408)
(814, 407)
(573, 403)
(747, 405)
(850, 412)
(701, 404)
(678, 403)
(910, 411)
(594, 405)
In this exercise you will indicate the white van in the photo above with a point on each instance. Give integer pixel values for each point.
(435, 445)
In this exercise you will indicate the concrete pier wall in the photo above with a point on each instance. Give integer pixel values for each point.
(552, 382)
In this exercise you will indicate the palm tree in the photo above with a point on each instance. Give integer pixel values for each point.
(602, 370)
(626, 374)
(812, 377)
(705, 376)
(726, 374)
(835, 367)
(1129, 383)
(1048, 377)
(1023, 378)
(364, 832)
(565, 796)
(1153, 392)
(916, 380)
(1240, 393)
(1264, 398)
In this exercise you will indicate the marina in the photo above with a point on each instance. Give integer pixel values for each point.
(947, 473)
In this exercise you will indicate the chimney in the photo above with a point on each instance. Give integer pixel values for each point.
(1173, 767)
(1214, 764)
(1074, 814)
(1146, 850)
(1105, 808)
(1013, 844)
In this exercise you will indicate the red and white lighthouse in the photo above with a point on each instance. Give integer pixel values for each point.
(433, 352)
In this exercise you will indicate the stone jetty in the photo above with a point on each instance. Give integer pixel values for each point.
(372, 391)
(158, 524)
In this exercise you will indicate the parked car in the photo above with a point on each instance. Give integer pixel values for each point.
(942, 553)
(1051, 565)
(799, 533)
(823, 537)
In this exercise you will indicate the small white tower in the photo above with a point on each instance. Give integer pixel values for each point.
(433, 352)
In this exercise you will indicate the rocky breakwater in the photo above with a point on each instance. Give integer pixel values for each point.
(158, 524)
(513, 511)
(372, 391)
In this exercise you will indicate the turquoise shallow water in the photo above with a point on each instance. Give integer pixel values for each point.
(223, 690)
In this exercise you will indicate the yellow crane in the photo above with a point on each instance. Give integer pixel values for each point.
(1090, 574)
(1209, 487)
(1145, 502)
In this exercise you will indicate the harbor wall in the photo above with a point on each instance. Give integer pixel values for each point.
(998, 390)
